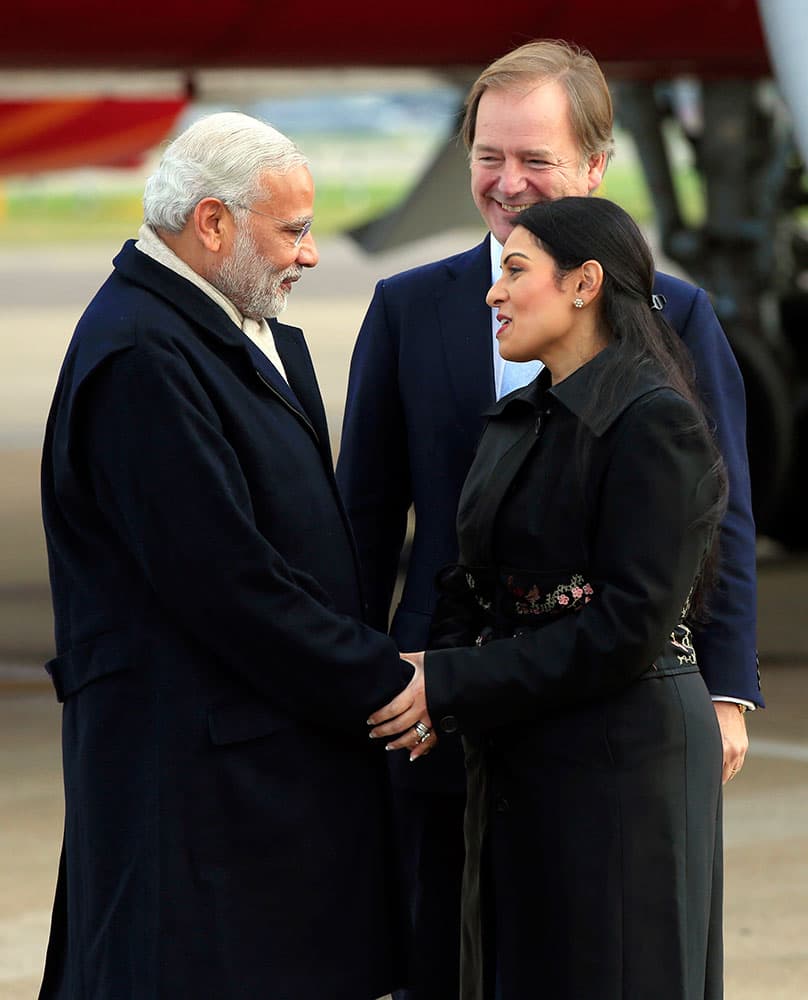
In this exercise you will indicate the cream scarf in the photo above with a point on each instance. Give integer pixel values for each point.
(257, 330)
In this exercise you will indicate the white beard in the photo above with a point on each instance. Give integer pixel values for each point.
(250, 281)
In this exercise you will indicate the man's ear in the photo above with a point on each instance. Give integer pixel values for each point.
(211, 218)
(596, 170)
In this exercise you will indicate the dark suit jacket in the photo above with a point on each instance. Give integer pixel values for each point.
(421, 376)
(226, 823)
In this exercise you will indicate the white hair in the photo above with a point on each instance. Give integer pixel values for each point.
(220, 156)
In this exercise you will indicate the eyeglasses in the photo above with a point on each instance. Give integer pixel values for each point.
(300, 232)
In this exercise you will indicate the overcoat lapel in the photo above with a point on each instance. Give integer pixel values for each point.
(302, 378)
(465, 330)
(503, 450)
(276, 383)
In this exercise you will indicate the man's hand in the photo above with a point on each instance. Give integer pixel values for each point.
(407, 715)
(734, 739)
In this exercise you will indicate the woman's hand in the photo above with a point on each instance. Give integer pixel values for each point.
(406, 717)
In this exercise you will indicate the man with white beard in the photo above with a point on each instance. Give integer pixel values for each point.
(226, 824)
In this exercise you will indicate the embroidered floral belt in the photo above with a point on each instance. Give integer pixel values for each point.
(519, 596)
(510, 602)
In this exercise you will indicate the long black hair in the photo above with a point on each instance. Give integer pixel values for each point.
(574, 230)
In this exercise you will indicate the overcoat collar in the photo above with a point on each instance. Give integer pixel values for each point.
(182, 295)
(575, 391)
(202, 312)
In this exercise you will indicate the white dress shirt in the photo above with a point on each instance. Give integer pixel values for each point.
(520, 372)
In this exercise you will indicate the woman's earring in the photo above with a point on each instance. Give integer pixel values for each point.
(578, 303)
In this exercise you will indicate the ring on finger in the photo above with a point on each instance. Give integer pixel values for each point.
(423, 732)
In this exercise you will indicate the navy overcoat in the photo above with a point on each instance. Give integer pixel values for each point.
(226, 822)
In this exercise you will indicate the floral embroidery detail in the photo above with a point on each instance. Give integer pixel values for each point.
(570, 596)
(682, 641)
(472, 585)
(485, 636)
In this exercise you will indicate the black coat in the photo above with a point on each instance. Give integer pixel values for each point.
(421, 376)
(593, 751)
(226, 819)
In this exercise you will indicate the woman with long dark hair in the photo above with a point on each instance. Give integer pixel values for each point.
(561, 646)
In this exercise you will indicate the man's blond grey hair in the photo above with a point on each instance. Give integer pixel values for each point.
(590, 103)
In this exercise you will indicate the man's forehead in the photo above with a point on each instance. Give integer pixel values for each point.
(530, 119)
(271, 180)
(295, 186)
(544, 97)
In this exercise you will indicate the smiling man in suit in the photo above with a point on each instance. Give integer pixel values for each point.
(226, 830)
(538, 126)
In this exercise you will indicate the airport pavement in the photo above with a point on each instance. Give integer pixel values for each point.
(41, 295)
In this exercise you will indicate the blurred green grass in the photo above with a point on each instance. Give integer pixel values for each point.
(30, 217)
(31, 214)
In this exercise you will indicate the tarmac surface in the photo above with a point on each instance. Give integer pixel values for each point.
(42, 293)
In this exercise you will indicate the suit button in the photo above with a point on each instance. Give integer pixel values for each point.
(448, 724)
(501, 804)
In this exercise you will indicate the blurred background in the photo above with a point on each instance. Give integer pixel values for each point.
(711, 104)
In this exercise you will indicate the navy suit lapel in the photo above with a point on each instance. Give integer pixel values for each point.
(465, 327)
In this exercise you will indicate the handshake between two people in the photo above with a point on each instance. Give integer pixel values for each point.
(406, 717)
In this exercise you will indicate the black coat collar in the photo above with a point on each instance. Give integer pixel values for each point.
(575, 391)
